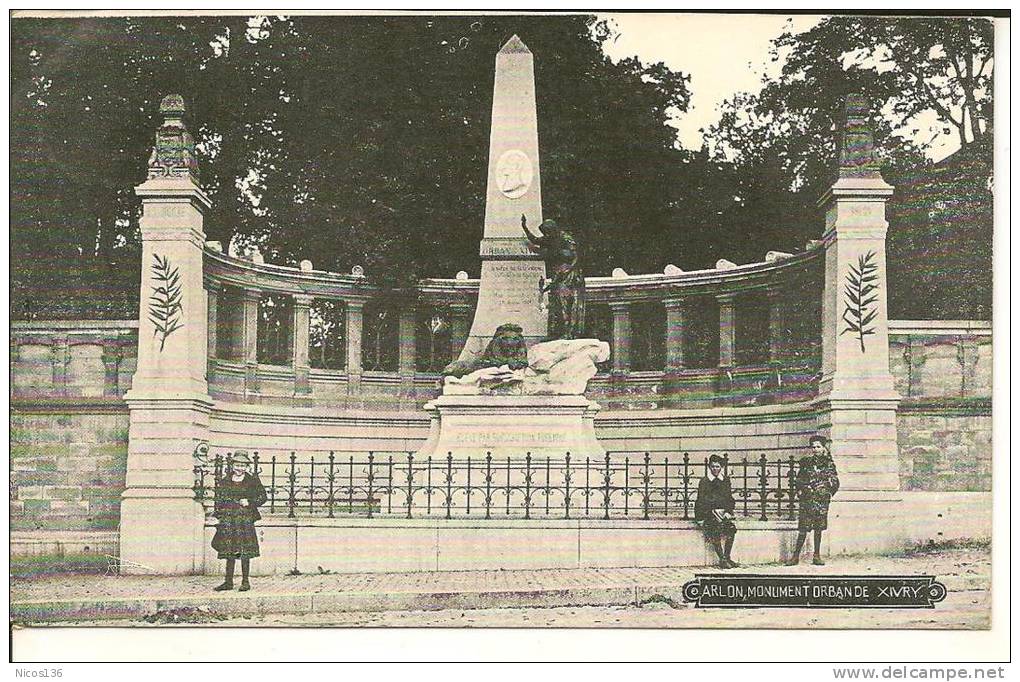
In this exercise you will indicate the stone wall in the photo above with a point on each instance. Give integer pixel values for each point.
(943, 370)
(69, 422)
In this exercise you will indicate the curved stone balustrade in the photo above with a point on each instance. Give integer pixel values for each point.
(665, 376)
(246, 274)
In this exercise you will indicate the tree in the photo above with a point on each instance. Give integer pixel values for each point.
(782, 144)
(348, 141)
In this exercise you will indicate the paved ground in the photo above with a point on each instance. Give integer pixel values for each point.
(550, 598)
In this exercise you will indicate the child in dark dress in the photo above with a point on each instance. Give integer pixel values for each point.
(817, 481)
(239, 494)
(713, 510)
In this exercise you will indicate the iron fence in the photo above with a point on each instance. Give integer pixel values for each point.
(397, 484)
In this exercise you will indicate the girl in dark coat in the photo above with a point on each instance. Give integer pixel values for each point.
(239, 494)
(817, 481)
(713, 509)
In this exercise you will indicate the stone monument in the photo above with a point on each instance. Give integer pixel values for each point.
(511, 271)
(513, 391)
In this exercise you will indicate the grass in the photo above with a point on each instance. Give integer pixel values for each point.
(933, 547)
(660, 599)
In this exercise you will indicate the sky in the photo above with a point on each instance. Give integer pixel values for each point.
(725, 54)
(722, 53)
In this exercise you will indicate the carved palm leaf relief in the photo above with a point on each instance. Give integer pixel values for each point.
(165, 305)
(860, 298)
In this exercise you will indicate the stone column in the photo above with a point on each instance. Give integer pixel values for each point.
(856, 398)
(300, 335)
(674, 334)
(212, 292)
(967, 354)
(250, 339)
(460, 324)
(60, 351)
(777, 322)
(112, 355)
(169, 401)
(727, 329)
(354, 311)
(621, 337)
(407, 347)
(672, 384)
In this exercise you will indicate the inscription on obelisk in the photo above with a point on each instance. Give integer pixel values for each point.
(511, 271)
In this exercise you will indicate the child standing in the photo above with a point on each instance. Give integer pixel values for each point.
(239, 494)
(817, 481)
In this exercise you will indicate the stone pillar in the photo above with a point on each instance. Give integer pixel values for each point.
(460, 324)
(112, 355)
(161, 524)
(621, 337)
(727, 329)
(407, 347)
(672, 384)
(967, 354)
(250, 339)
(674, 334)
(355, 312)
(212, 292)
(60, 351)
(915, 355)
(856, 398)
(300, 336)
(777, 323)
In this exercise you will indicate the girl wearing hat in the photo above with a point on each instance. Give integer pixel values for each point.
(239, 494)
(817, 481)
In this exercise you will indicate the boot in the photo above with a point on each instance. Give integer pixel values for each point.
(794, 560)
(245, 586)
(227, 585)
(817, 561)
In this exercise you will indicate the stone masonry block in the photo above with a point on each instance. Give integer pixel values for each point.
(36, 478)
(35, 507)
(863, 432)
(881, 417)
(69, 507)
(31, 492)
(63, 493)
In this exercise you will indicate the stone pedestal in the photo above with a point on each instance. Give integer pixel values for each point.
(856, 400)
(512, 426)
(160, 521)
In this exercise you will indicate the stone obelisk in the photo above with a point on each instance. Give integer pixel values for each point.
(511, 272)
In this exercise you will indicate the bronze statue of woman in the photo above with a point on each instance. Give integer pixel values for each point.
(565, 279)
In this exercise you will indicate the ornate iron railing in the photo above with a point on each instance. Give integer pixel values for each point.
(398, 484)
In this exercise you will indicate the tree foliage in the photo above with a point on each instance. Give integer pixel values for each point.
(364, 141)
(348, 141)
(781, 143)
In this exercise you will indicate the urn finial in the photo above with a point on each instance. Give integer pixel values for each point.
(174, 153)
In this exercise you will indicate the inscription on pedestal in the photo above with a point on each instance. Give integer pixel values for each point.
(510, 294)
(498, 438)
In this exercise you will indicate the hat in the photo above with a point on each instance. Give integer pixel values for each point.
(241, 458)
(818, 438)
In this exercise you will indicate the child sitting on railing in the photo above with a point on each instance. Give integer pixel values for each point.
(713, 510)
